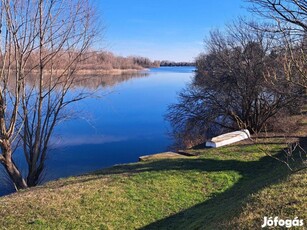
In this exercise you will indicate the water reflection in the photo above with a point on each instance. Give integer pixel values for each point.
(125, 123)
(103, 80)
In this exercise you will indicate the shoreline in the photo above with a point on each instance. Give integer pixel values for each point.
(113, 72)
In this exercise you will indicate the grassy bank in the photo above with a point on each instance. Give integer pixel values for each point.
(227, 188)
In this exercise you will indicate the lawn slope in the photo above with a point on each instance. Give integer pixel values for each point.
(228, 188)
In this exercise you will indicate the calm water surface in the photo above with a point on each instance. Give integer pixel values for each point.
(127, 122)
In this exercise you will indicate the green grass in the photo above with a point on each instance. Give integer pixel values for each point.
(227, 188)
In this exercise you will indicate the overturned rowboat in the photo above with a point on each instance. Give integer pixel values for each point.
(228, 138)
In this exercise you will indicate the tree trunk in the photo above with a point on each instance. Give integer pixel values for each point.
(14, 174)
(34, 175)
(32, 180)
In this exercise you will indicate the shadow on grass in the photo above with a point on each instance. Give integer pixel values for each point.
(210, 214)
(255, 175)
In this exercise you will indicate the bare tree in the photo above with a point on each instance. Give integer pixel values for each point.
(231, 87)
(284, 12)
(288, 18)
(42, 43)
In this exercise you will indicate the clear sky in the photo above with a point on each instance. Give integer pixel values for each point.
(163, 29)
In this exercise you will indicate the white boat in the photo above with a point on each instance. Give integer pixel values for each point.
(228, 138)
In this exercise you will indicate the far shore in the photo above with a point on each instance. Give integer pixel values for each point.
(110, 72)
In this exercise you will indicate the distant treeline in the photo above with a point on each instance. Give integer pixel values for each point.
(171, 63)
(109, 61)
(100, 60)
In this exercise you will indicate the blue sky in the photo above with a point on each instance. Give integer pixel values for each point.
(163, 30)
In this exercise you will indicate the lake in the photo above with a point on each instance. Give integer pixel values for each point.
(124, 123)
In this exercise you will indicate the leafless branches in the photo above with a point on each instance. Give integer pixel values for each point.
(42, 43)
(288, 20)
(293, 12)
(294, 156)
(231, 86)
